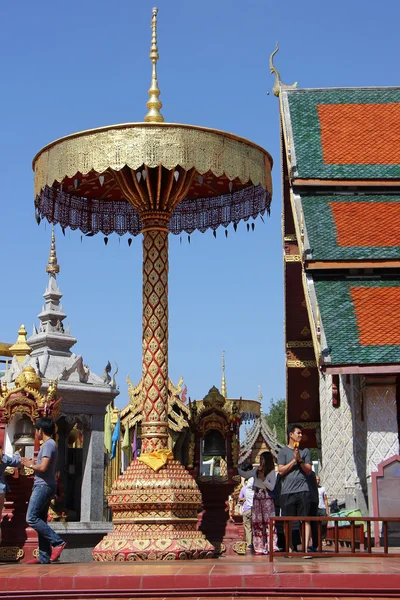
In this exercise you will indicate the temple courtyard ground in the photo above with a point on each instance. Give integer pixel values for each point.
(247, 577)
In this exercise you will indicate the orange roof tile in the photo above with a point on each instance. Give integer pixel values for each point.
(366, 223)
(360, 133)
(377, 311)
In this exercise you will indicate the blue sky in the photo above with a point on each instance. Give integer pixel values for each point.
(82, 64)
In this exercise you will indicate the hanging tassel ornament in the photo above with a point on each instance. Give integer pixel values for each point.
(215, 233)
(105, 241)
(226, 233)
(235, 226)
(189, 239)
(252, 226)
(129, 241)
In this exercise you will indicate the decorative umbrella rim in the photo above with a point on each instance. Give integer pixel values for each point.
(133, 125)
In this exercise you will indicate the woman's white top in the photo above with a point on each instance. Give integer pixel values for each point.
(267, 484)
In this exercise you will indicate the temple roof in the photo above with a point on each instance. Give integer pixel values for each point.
(51, 344)
(343, 226)
(361, 319)
(259, 429)
(349, 133)
(342, 150)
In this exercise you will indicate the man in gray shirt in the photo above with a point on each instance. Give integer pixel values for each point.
(44, 488)
(294, 465)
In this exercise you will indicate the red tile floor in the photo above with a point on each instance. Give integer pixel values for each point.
(231, 577)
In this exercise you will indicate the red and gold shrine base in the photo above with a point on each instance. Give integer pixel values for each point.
(154, 516)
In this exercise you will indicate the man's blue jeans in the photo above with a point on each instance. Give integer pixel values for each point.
(36, 517)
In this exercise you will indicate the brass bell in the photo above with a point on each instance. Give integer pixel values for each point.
(214, 444)
(24, 433)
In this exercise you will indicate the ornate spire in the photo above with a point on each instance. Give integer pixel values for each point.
(278, 85)
(154, 104)
(223, 384)
(51, 333)
(20, 349)
(260, 396)
(52, 266)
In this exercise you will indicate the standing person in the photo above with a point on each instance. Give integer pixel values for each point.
(246, 498)
(294, 465)
(44, 488)
(6, 461)
(323, 507)
(263, 504)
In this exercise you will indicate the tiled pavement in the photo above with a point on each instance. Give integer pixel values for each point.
(236, 577)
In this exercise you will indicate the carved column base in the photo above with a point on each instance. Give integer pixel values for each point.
(154, 516)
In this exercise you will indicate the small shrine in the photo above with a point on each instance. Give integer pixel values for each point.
(19, 408)
(43, 370)
(213, 460)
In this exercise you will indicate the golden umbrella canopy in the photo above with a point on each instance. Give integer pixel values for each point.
(154, 178)
(102, 180)
(109, 179)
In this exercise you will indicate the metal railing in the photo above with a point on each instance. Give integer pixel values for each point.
(356, 535)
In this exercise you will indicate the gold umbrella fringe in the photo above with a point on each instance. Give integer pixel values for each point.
(94, 216)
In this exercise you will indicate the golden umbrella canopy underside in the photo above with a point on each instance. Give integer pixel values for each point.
(109, 179)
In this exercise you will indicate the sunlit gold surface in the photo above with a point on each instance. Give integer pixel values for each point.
(52, 266)
(20, 349)
(139, 144)
(154, 104)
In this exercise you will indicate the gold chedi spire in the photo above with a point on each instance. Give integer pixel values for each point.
(223, 384)
(20, 349)
(52, 266)
(154, 104)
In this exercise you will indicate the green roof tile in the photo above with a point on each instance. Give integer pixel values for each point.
(306, 132)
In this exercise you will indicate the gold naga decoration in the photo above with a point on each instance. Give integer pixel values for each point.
(25, 397)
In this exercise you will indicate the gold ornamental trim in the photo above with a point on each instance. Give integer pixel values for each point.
(292, 258)
(301, 364)
(168, 144)
(299, 344)
(290, 237)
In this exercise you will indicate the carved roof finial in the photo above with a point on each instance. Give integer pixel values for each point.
(154, 104)
(223, 384)
(278, 85)
(52, 266)
(260, 396)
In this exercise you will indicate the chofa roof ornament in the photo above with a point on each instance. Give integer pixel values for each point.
(278, 85)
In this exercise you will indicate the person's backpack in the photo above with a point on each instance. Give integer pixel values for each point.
(275, 492)
(334, 506)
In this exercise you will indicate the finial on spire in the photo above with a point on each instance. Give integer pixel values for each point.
(223, 385)
(154, 104)
(52, 266)
(21, 349)
(278, 85)
(260, 396)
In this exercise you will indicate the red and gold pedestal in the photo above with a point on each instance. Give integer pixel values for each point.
(155, 516)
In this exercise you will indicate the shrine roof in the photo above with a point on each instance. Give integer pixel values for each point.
(351, 133)
(259, 428)
(360, 319)
(341, 227)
